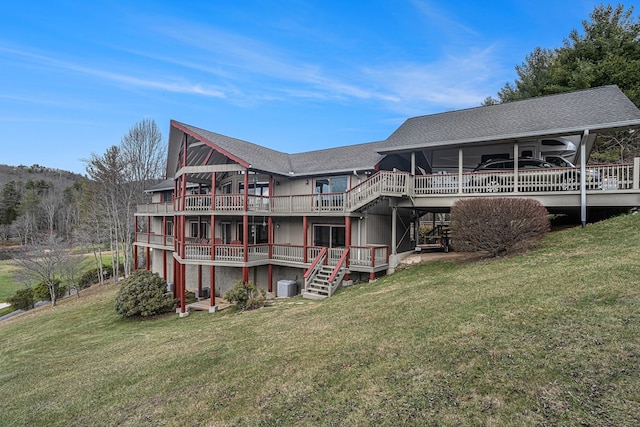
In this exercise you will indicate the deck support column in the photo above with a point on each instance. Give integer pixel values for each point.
(147, 258)
(135, 257)
(460, 169)
(583, 178)
(175, 278)
(270, 249)
(394, 226)
(305, 241)
(183, 291)
(413, 163)
(212, 290)
(347, 238)
(245, 245)
(199, 280)
(516, 169)
(164, 265)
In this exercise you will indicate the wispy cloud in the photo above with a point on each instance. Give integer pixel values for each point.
(175, 85)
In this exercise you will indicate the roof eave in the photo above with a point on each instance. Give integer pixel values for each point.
(627, 124)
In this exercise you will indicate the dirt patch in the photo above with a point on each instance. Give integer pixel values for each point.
(422, 257)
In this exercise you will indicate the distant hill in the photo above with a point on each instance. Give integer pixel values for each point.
(60, 178)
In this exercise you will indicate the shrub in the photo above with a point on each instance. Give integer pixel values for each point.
(92, 275)
(143, 294)
(41, 291)
(246, 296)
(22, 299)
(497, 225)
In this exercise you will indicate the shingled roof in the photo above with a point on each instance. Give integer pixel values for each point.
(597, 109)
(327, 161)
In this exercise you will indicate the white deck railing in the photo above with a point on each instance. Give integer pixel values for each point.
(398, 184)
(364, 256)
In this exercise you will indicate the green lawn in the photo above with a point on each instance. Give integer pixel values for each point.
(9, 284)
(547, 338)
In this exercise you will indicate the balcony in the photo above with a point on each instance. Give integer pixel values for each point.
(161, 208)
(362, 258)
(153, 239)
(601, 180)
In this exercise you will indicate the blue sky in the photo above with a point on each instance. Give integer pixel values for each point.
(290, 75)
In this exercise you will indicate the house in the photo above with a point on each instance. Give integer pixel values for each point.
(233, 211)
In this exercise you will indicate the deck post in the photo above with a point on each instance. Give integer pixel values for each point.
(394, 225)
(164, 264)
(636, 173)
(347, 226)
(304, 239)
(413, 163)
(135, 257)
(516, 169)
(270, 251)
(183, 291)
(460, 169)
(583, 178)
(212, 290)
(147, 258)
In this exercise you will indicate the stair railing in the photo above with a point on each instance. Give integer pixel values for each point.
(338, 272)
(315, 267)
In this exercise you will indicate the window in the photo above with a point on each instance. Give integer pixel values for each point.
(336, 184)
(330, 236)
(226, 188)
(168, 229)
(257, 188)
(199, 230)
(225, 232)
(167, 196)
(331, 190)
(258, 233)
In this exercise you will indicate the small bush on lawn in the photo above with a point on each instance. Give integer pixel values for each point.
(41, 291)
(143, 294)
(22, 299)
(246, 296)
(92, 275)
(497, 225)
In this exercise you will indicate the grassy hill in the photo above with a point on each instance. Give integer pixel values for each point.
(547, 338)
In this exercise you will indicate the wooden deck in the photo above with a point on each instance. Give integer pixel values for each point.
(619, 182)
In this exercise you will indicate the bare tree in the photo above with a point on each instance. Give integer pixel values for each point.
(144, 152)
(107, 173)
(44, 261)
(4, 233)
(50, 205)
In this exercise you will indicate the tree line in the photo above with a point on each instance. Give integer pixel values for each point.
(48, 218)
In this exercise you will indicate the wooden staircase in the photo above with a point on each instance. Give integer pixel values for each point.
(322, 280)
(319, 287)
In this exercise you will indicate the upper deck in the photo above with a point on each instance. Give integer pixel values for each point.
(615, 185)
